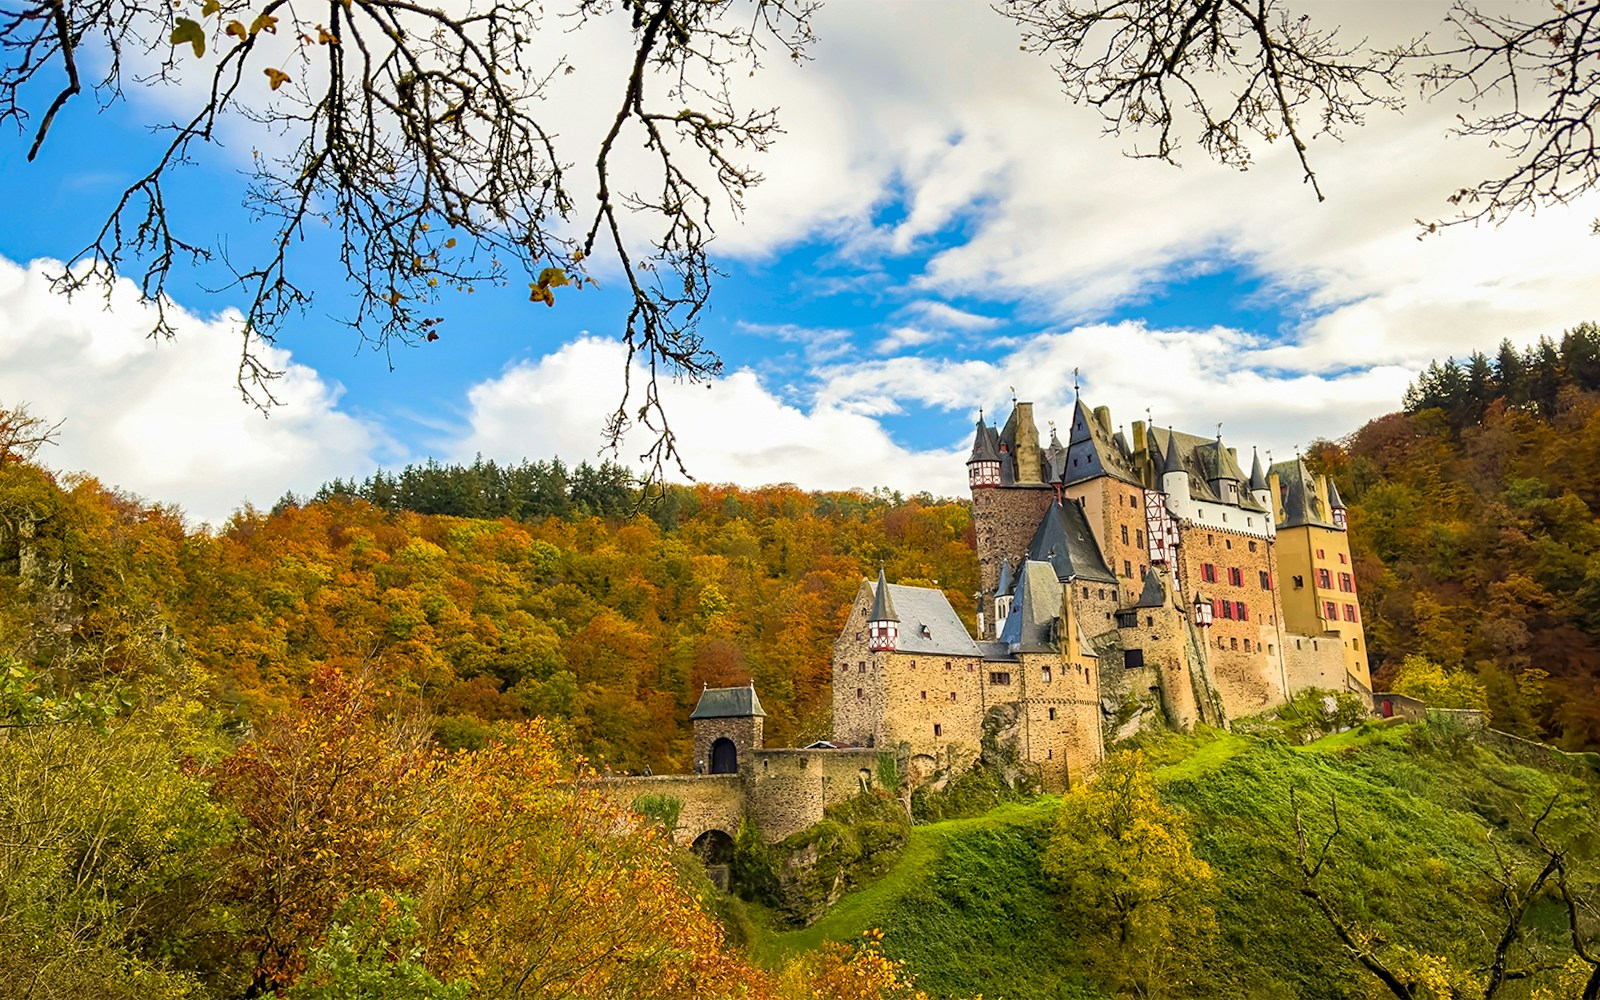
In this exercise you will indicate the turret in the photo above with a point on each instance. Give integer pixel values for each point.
(1258, 482)
(1003, 593)
(883, 625)
(1223, 482)
(1174, 477)
(983, 468)
(1055, 458)
(1336, 504)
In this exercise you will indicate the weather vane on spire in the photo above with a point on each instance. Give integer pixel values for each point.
(1074, 384)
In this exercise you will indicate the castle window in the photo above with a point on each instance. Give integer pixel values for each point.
(1127, 619)
(1319, 553)
(1269, 649)
(1233, 643)
(1225, 513)
(1349, 612)
(1236, 576)
(1222, 643)
(1127, 568)
(1247, 645)
(1226, 609)
(1330, 611)
(1150, 620)
(858, 634)
(938, 730)
(1211, 539)
(924, 696)
(1343, 558)
(1102, 593)
(1252, 546)
(1266, 580)
(861, 667)
(859, 695)
(1243, 610)
(1299, 582)
(1297, 644)
(1132, 658)
(1250, 522)
(1324, 578)
(952, 696)
(1138, 534)
(1049, 755)
(1355, 644)
(969, 668)
(1124, 534)
(947, 664)
(1227, 543)
(1346, 583)
(1044, 674)
(1208, 572)
(1000, 677)
(1052, 715)
(913, 664)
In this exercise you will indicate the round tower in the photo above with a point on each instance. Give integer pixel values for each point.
(1174, 477)
(983, 468)
(1336, 504)
(883, 626)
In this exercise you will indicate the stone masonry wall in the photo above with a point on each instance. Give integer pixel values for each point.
(1004, 519)
(859, 689)
(1246, 677)
(709, 802)
(787, 790)
(746, 734)
(1314, 662)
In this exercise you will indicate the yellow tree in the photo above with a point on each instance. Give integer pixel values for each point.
(539, 887)
(1129, 877)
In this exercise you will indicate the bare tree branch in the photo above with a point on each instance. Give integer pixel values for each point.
(419, 137)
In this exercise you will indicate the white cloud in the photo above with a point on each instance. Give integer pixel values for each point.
(732, 429)
(164, 419)
(948, 317)
(902, 337)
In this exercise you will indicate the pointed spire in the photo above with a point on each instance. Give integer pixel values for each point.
(1258, 479)
(1171, 463)
(1335, 501)
(883, 604)
(1003, 587)
(983, 446)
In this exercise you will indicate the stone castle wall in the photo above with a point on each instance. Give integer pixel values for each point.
(1315, 661)
(746, 734)
(1004, 519)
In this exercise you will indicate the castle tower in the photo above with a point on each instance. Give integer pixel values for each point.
(727, 727)
(1316, 574)
(1174, 476)
(983, 468)
(1258, 482)
(883, 627)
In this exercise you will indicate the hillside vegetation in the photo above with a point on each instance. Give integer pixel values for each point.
(1475, 533)
(1429, 817)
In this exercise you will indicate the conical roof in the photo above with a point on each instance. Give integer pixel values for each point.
(985, 444)
(1335, 501)
(882, 603)
(1007, 582)
(1055, 458)
(1171, 462)
(1258, 479)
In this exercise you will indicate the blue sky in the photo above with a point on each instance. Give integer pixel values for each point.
(936, 227)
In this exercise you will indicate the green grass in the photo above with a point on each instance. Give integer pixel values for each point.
(969, 909)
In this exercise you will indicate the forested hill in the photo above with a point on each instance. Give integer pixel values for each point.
(1473, 518)
(611, 624)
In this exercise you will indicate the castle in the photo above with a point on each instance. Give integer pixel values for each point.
(1118, 576)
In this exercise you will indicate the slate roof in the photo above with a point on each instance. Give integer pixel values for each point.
(1206, 460)
(1005, 584)
(1063, 539)
(1297, 492)
(882, 601)
(985, 444)
(1154, 594)
(1091, 451)
(1334, 499)
(928, 624)
(728, 703)
(1030, 628)
(1258, 479)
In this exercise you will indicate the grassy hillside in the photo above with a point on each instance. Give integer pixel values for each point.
(971, 912)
